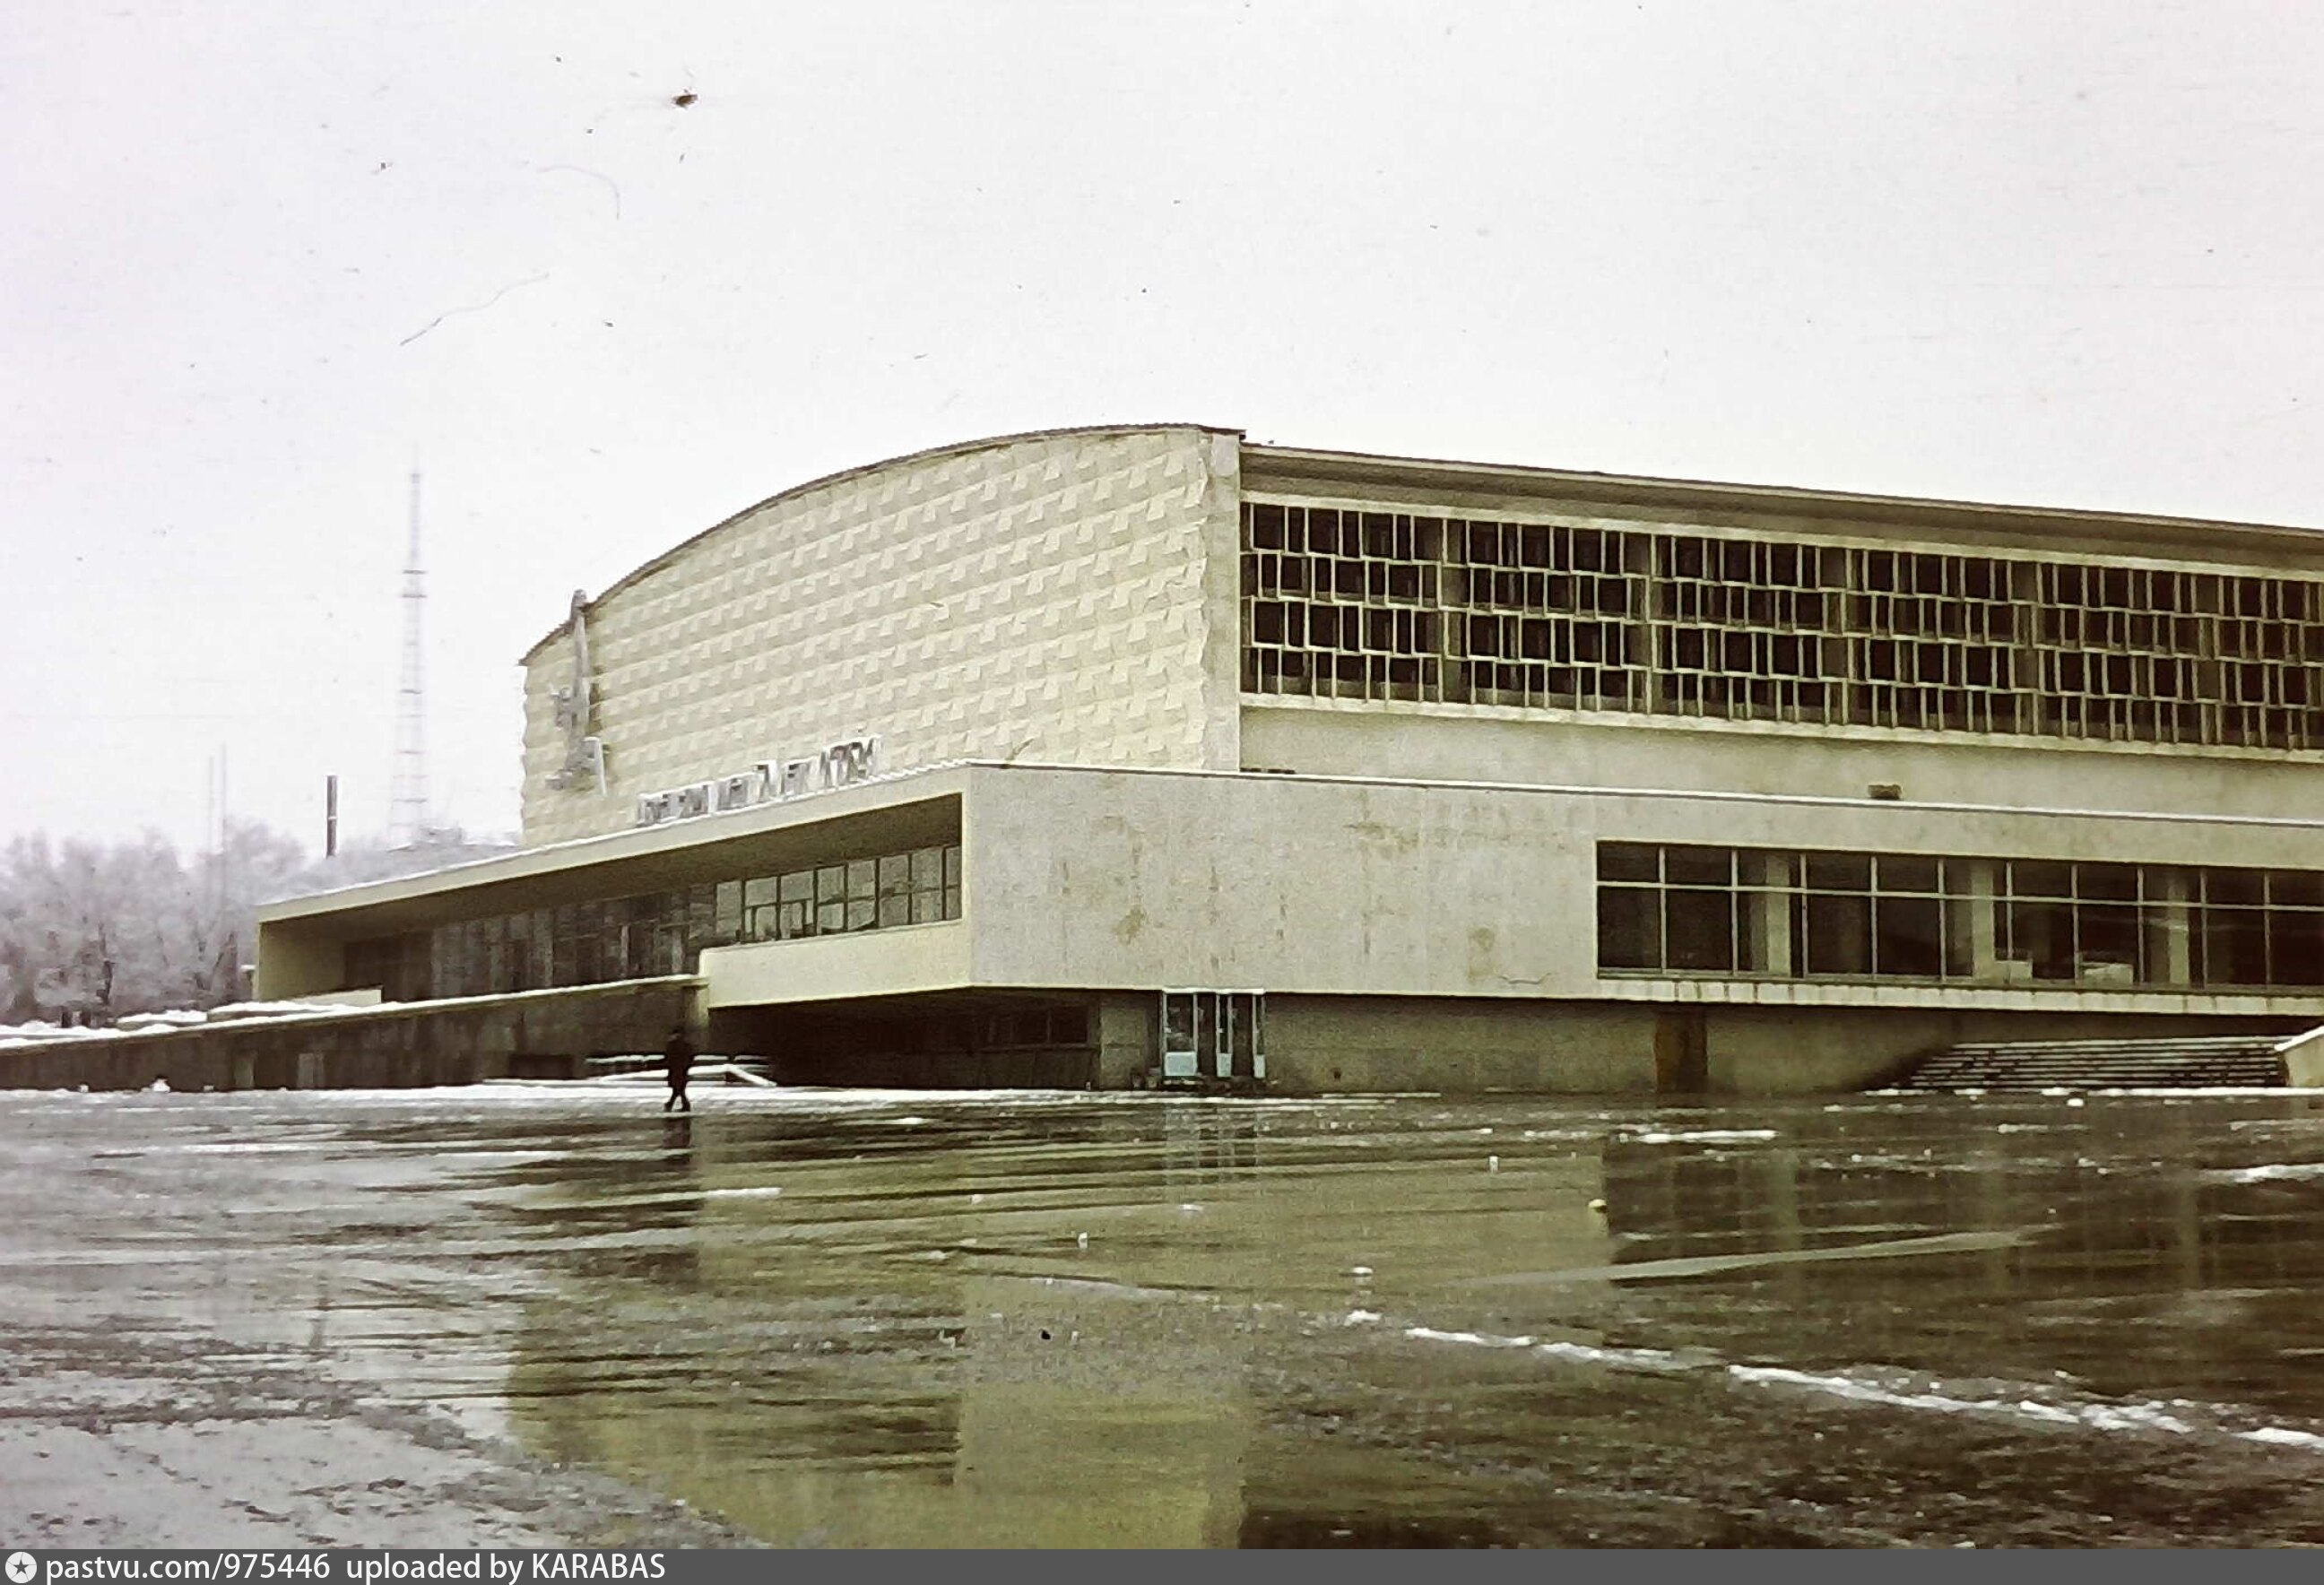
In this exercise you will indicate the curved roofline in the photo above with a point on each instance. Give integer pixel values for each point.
(1364, 466)
(928, 455)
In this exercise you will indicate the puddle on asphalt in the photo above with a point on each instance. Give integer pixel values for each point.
(928, 1320)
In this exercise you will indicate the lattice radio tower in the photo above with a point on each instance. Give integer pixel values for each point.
(407, 819)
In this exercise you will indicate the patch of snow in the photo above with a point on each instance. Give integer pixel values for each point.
(2275, 1170)
(174, 1018)
(1429, 1334)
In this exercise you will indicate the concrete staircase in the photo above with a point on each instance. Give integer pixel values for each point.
(2153, 1062)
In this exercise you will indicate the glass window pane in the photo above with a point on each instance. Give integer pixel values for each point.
(2040, 878)
(757, 891)
(928, 867)
(2242, 888)
(2296, 948)
(895, 909)
(2106, 882)
(1629, 861)
(2235, 946)
(1839, 935)
(928, 907)
(1908, 874)
(2042, 932)
(1700, 930)
(2107, 943)
(1840, 871)
(831, 884)
(1178, 1021)
(2296, 889)
(1629, 927)
(862, 880)
(952, 865)
(952, 902)
(1692, 866)
(1910, 937)
(895, 874)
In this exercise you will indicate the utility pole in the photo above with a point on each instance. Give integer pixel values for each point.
(225, 827)
(408, 797)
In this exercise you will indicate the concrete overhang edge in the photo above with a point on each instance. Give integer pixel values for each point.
(1673, 794)
(917, 785)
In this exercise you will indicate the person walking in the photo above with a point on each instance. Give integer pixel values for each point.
(677, 1061)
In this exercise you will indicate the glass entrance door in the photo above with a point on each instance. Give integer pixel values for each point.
(1218, 1036)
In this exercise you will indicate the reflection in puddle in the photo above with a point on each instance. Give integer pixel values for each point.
(849, 1319)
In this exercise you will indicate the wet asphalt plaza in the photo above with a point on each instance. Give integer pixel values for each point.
(862, 1319)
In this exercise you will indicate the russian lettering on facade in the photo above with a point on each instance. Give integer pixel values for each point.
(835, 765)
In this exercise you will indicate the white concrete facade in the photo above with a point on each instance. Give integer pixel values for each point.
(1052, 637)
(1056, 597)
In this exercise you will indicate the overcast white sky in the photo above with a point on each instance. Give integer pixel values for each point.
(2067, 254)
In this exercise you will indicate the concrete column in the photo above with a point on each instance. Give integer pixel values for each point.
(1126, 1028)
(291, 964)
(2170, 924)
(1976, 917)
(1768, 915)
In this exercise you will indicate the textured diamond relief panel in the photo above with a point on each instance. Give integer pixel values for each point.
(1043, 599)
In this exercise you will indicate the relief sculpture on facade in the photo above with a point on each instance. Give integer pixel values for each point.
(584, 755)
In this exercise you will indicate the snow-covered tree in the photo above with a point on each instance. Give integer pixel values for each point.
(89, 932)
(365, 860)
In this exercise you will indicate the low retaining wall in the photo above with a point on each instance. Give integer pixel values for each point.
(1344, 1044)
(532, 1034)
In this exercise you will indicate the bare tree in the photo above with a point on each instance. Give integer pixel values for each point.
(90, 932)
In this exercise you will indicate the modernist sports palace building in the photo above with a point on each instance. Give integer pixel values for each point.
(1123, 754)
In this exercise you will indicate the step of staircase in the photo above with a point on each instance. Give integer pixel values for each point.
(2154, 1062)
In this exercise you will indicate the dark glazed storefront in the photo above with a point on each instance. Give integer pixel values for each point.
(597, 940)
